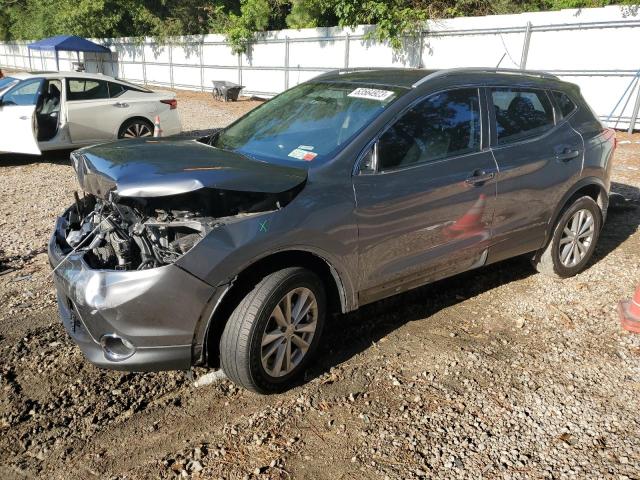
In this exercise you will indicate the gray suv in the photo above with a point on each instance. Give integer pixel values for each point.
(231, 250)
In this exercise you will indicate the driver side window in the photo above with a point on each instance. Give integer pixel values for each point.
(25, 93)
(443, 125)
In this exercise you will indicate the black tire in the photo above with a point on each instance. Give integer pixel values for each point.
(241, 341)
(136, 125)
(548, 260)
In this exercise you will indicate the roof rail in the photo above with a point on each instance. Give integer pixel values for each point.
(511, 71)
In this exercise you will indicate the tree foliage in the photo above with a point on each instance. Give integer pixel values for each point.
(238, 20)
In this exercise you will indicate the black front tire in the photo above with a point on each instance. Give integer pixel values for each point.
(548, 260)
(241, 344)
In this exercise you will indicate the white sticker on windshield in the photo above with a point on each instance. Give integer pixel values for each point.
(302, 154)
(305, 147)
(371, 94)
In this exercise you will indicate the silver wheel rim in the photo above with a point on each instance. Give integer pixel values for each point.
(289, 332)
(577, 238)
(137, 130)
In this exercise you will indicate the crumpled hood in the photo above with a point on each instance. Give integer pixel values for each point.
(157, 167)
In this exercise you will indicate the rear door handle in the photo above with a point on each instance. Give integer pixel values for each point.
(479, 177)
(121, 105)
(567, 154)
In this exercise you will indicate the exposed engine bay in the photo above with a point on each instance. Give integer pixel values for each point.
(141, 233)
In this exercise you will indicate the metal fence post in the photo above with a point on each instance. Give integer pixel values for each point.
(525, 46)
(239, 68)
(346, 51)
(202, 63)
(634, 115)
(171, 63)
(286, 63)
(144, 61)
(121, 64)
(421, 51)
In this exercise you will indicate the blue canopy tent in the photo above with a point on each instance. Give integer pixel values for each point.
(67, 43)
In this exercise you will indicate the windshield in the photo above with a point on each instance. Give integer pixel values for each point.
(310, 122)
(7, 82)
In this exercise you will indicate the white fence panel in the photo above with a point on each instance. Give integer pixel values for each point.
(323, 53)
(593, 47)
(480, 50)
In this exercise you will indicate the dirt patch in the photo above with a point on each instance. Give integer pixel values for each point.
(499, 372)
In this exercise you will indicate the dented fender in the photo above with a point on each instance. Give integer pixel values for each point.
(231, 248)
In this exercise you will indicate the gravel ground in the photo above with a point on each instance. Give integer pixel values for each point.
(498, 373)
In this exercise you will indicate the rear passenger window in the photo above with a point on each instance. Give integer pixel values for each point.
(521, 113)
(81, 89)
(565, 104)
(443, 125)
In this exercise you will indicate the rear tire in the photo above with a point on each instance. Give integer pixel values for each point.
(266, 344)
(574, 240)
(136, 128)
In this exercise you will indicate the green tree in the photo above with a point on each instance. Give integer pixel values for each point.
(239, 27)
(239, 20)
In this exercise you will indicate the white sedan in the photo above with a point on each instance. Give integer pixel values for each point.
(51, 111)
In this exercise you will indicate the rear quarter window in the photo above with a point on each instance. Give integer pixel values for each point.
(565, 104)
(521, 113)
(132, 87)
(116, 89)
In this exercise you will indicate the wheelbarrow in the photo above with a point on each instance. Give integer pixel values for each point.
(226, 91)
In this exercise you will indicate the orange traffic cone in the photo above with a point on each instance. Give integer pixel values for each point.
(157, 130)
(471, 222)
(629, 311)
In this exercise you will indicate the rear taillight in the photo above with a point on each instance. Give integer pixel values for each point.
(173, 103)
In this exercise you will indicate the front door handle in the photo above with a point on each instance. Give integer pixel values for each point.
(567, 154)
(479, 177)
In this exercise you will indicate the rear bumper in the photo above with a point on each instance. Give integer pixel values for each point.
(155, 311)
(170, 123)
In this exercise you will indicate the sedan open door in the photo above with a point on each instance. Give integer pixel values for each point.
(18, 128)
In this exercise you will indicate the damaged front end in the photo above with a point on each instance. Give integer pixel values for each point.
(121, 295)
(123, 237)
(141, 233)
(140, 214)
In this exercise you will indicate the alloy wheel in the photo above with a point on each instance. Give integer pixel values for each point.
(577, 238)
(289, 332)
(137, 130)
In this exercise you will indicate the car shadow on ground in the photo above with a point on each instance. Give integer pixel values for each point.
(16, 160)
(347, 335)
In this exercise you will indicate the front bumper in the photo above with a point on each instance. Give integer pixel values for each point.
(155, 311)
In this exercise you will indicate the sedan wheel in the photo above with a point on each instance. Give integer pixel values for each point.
(274, 331)
(136, 129)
